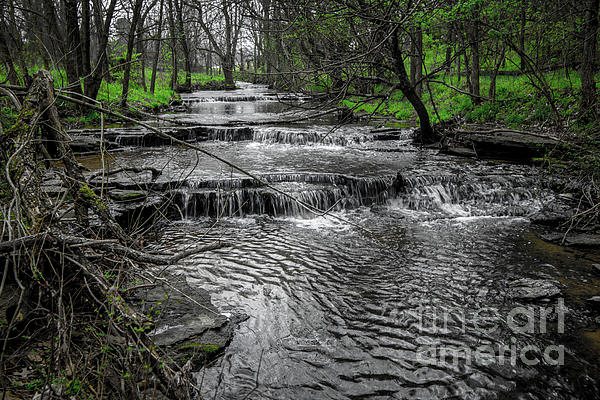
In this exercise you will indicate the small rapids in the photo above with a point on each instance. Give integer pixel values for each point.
(409, 248)
(293, 198)
(303, 136)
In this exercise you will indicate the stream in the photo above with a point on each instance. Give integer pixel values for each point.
(405, 289)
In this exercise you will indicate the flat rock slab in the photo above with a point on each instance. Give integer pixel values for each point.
(582, 240)
(127, 195)
(85, 143)
(534, 289)
(187, 325)
(503, 144)
(460, 151)
(88, 140)
(553, 213)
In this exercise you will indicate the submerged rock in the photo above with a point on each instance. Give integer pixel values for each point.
(596, 268)
(188, 327)
(534, 289)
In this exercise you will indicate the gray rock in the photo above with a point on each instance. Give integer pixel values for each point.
(186, 324)
(583, 240)
(83, 143)
(127, 195)
(534, 289)
(594, 301)
(553, 214)
(460, 151)
(596, 268)
(503, 144)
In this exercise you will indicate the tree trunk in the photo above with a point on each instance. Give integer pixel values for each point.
(427, 135)
(266, 39)
(588, 59)
(475, 67)
(522, 31)
(228, 62)
(175, 71)
(16, 32)
(207, 66)
(184, 44)
(137, 8)
(94, 80)
(73, 56)
(227, 65)
(5, 54)
(142, 53)
(157, 47)
(86, 63)
(492, 91)
(51, 28)
(242, 59)
(416, 59)
(449, 46)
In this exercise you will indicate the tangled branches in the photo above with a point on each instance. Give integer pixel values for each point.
(68, 269)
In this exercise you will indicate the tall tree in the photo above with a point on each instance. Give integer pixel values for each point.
(86, 57)
(416, 58)
(73, 56)
(93, 80)
(408, 90)
(183, 42)
(158, 41)
(172, 31)
(5, 52)
(473, 34)
(224, 44)
(137, 10)
(588, 59)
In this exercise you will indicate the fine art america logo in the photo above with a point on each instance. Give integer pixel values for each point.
(498, 337)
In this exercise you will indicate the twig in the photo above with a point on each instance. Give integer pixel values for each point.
(136, 255)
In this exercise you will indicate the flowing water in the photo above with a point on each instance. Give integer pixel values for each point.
(416, 251)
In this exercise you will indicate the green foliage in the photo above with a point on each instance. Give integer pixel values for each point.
(8, 116)
(88, 118)
(110, 92)
(517, 101)
(202, 78)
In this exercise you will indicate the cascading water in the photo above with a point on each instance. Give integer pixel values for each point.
(337, 312)
(327, 192)
(300, 136)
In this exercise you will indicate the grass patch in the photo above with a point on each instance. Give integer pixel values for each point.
(517, 101)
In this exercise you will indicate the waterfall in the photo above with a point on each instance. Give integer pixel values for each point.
(493, 194)
(303, 136)
(243, 196)
(228, 134)
(227, 99)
